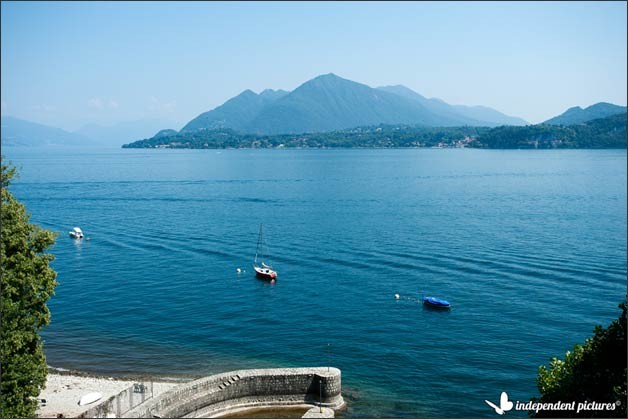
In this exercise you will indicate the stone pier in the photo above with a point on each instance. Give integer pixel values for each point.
(221, 394)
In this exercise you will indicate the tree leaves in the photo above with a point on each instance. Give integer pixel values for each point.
(27, 284)
(595, 371)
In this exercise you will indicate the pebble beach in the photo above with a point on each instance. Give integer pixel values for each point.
(63, 391)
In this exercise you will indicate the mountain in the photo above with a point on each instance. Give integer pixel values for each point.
(329, 102)
(577, 115)
(235, 113)
(479, 115)
(121, 132)
(18, 132)
(489, 116)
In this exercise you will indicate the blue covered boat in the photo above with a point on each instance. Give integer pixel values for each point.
(435, 302)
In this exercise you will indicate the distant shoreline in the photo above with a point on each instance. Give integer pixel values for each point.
(608, 132)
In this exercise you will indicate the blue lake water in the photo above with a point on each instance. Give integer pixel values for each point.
(528, 246)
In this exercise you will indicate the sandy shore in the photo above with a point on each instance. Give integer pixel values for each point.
(64, 390)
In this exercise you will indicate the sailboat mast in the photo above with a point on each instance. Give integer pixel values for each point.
(259, 237)
(261, 240)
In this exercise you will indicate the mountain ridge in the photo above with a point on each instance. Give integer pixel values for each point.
(235, 112)
(474, 112)
(23, 133)
(329, 102)
(578, 115)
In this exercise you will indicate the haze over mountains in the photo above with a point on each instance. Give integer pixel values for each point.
(19, 132)
(121, 132)
(323, 104)
(487, 116)
(329, 102)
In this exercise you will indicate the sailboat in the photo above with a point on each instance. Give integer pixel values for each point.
(262, 270)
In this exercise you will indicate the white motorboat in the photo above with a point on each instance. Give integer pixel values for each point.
(76, 233)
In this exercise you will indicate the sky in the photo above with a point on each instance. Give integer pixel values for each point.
(67, 64)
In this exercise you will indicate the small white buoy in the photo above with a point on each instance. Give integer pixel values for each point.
(396, 296)
(238, 270)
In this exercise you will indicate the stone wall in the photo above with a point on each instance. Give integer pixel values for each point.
(122, 402)
(218, 394)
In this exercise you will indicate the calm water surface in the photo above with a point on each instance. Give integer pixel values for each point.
(529, 246)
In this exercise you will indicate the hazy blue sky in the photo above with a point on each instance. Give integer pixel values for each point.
(67, 64)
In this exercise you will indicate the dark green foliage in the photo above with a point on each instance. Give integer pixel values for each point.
(609, 132)
(27, 284)
(577, 115)
(383, 136)
(595, 371)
